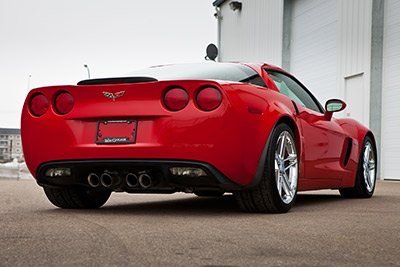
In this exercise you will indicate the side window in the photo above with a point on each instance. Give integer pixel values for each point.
(290, 88)
(256, 80)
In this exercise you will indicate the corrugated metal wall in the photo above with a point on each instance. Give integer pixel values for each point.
(314, 46)
(330, 54)
(354, 57)
(355, 36)
(391, 92)
(253, 34)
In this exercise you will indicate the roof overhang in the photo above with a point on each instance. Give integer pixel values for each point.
(218, 2)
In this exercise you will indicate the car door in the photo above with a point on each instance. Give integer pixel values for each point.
(323, 140)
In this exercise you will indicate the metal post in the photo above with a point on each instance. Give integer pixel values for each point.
(29, 82)
(88, 71)
(11, 141)
(18, 171)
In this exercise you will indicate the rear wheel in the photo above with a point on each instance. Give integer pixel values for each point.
(76, 198)
(366, 173)
(278, 188)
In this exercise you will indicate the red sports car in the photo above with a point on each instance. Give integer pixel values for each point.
(208, 128)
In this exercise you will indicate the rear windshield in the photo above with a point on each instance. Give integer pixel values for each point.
(203, 71)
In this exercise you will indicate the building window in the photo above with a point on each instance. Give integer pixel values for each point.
(18, 143)
(18, 136)
(18, 150)
(11, 137)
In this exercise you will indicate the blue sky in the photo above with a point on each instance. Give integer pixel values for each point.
(51, 40)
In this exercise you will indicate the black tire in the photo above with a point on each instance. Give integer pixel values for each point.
(363, 186)
(209, 193)
(76, 198)
(266, 196)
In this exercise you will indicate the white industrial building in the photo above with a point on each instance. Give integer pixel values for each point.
(348, 49)
(10, 144)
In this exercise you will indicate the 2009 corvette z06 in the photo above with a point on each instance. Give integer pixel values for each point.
(207, 128)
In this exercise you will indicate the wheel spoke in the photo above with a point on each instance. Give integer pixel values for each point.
(286, 185)
(279, 184)
(291, 157)
(367, 152)
(290, 165)
(283, 146)
(278, 158)
(371, 180)
(371, 165)
(368, 178)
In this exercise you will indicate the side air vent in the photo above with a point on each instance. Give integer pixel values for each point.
(117, 80)
(348, 152)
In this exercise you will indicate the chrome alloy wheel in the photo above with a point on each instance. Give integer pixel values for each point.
(286, 167)
(369, 167)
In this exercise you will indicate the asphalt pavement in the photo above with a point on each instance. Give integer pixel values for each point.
(184, 230)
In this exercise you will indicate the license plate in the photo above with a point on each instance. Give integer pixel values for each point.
(116, 132)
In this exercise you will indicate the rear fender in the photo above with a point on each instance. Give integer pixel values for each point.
(276, 109)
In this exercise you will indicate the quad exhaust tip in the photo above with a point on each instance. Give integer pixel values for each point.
(110, 179)
(131, 180)
(93, 180)
(106, 179)
(145, 180)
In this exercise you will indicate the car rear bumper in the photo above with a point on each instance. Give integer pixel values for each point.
(230, 138)
(162, 180)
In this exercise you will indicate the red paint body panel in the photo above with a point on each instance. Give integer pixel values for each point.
(213, 137)
(231, 138)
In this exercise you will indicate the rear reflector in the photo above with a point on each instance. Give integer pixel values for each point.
(209, 98)
(176, 99)
(187, 171)
(64, 103)
(39, 105)
(58, 172)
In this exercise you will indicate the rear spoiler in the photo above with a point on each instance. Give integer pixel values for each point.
(117, 80)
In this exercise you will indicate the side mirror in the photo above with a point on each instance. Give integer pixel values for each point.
(333, 105)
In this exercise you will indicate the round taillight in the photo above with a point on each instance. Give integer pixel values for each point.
(209, 98)
(64, 103)
(176, 99)
(39, 105)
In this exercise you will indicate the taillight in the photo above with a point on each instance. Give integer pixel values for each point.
(64, 103)
(176, 99)
(209, 98)
(39, 105)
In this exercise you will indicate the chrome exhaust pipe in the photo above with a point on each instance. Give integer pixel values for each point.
(131, 180)
(93, 180)
(110, 179)
(145, 180)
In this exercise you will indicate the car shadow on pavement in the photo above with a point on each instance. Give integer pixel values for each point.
(194, 206)
(185, 206)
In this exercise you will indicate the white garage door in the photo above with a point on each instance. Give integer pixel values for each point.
(391, 93)
(314, 46)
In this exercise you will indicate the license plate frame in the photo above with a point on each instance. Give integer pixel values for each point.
(116, 132)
